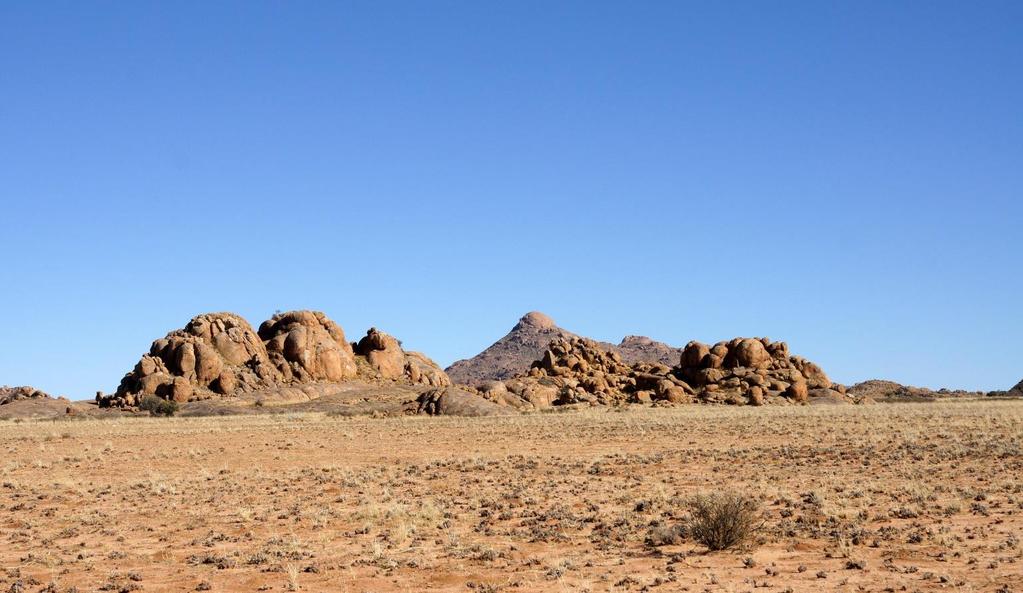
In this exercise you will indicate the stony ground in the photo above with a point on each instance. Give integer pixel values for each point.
(923, 497)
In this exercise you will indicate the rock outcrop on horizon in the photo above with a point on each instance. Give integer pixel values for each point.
(219, 354)
(9, 395)
(883, 390)
(513, 354)
(751, 371)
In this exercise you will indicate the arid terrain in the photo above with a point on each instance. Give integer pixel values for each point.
(900, 497)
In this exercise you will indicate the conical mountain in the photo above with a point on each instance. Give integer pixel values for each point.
(513, 354)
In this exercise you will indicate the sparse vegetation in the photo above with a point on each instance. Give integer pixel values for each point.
(593, 500)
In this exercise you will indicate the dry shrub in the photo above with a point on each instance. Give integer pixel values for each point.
(666, 535)
(722, 521)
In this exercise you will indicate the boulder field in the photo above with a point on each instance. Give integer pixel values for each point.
(221, 355)
(751, 371)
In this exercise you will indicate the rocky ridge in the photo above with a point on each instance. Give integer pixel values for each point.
(219, 354)
(882, 390)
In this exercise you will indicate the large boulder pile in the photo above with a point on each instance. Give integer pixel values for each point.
(308, 346)
(753, 370)
(9, 395)
(219, 354)
(387, 360)
(215, 353)
(581, 371)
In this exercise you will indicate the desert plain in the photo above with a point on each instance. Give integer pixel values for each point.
(887, 497)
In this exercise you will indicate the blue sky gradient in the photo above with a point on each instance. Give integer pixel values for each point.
(845, 176)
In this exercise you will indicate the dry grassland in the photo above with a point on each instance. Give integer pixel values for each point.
(922, 497)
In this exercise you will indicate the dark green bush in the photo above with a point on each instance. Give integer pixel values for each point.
(157, 406)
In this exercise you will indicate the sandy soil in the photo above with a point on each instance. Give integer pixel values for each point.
(922, 497)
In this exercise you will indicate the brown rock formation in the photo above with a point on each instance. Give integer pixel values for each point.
(752, 370)
(741, 371)
(387, 360)
(215, 353)
(580, 371)
(308, 346)
(10, 395)
(219, 354)
(881, 390)
(451, 401)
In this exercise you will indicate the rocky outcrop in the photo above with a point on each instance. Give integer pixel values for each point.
(581, 371)
(219, 354)
(308, 346)
(9, 395)
(512, 355)
(215, 353)
(451, 401)
(754, 371)
(741, 371)
(882, 390)
(387, 360)
(421, 370)
(383, 352)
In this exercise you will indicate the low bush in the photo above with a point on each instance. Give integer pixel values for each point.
(722, 521)
(158, 406)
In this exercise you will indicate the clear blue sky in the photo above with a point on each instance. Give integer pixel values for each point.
(846, 176)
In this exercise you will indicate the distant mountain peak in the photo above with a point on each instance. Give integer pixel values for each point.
(536, 319)
(526, 342)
